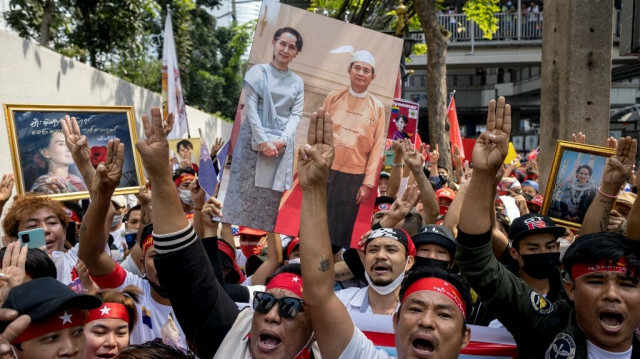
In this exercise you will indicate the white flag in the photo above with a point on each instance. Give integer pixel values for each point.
(172, 101)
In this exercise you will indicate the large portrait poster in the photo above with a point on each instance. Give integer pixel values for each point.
(43, 164)
(403, 123)
(349, 70)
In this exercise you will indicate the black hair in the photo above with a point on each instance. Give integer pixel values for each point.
(184, 143)
(412, 222)
(137, 207)
(455, 279)
(38, 264)
(403, 118)
(291, 31)
(444, 168)
(154, 349)
(294, 268)
(585, 166)
(181, 171)
(595, 247)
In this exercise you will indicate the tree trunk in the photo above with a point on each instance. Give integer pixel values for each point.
(437, 39)
(45, 31)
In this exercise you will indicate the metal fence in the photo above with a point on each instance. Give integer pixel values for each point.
(511, 26)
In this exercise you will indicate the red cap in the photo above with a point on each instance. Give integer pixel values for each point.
(250, 231)
(536, 201)
(445, 193)
(292, 245)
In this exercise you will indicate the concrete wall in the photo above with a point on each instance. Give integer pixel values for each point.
(30, 74)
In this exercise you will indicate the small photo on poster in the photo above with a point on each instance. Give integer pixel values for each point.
(293, 70)
(403, 122)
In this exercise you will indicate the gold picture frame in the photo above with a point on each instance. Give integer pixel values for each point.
(574, 179)
(32, 138)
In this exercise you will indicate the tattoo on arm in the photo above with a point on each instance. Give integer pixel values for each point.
(325, 264)
(146, 218)
(604, 222)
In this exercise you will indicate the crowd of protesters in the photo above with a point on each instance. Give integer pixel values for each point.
(444, 251)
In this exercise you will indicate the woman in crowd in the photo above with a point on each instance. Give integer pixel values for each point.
(574, 199)
(57, 159)
(262, 165)
(108, 327)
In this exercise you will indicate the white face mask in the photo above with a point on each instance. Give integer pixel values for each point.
(185, 197)
(385, 289)
(294, 261)
(116, 220)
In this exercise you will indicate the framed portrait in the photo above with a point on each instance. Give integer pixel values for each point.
(573, 182)
(349, 70)
(41, 160)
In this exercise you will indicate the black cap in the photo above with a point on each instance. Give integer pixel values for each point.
(532, 223)
(435, 234)
(43, 297)
(384, 199)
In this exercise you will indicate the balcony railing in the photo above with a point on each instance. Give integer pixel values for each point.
(511, 26)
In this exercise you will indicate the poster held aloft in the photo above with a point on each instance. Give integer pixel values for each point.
(345, 75)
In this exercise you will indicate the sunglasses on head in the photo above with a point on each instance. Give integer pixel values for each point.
(288, 307)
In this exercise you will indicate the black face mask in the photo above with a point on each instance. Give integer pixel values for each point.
(161, 291)
(432, 263)
(541, 265)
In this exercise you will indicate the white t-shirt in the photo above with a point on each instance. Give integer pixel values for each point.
(355, 299)
(65, 262)
(593, 352)
(152, 316)
(361, 347)
(130, 265)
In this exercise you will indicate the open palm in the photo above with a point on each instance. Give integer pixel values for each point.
(76, 142)
(315, 158)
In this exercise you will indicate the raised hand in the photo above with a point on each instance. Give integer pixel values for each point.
(492, 145)
(144, 194)
(76, 142)
(13, 330)
(13, 272)
(402, 206)
(108, 174)
(85, 277)
(434, 156)
(618, 167)
(316, 156)
(6, 187)
(197, 194)
(612, 143)
(154, 150)
(217, 145)
(456, 153)
(412, 157)
(579, 138)
(211, 209)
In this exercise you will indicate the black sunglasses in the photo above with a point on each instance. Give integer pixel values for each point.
(288, 307)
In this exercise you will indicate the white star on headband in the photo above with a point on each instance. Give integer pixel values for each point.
(66, 318)
(104, 311)
(295, 279)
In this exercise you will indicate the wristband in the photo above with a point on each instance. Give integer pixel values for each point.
(397, 165)
(606, 195)
(197, 209)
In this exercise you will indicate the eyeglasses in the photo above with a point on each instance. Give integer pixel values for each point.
(288, 307)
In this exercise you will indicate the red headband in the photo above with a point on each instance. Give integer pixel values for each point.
(148, 242)
(184, 178)
(62, 320)
(620, 266)
(292, 245)
(287, 281)
(224, 248)
(437, 285)
(109, 310)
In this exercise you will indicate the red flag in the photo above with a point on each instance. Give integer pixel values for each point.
(454, 129)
